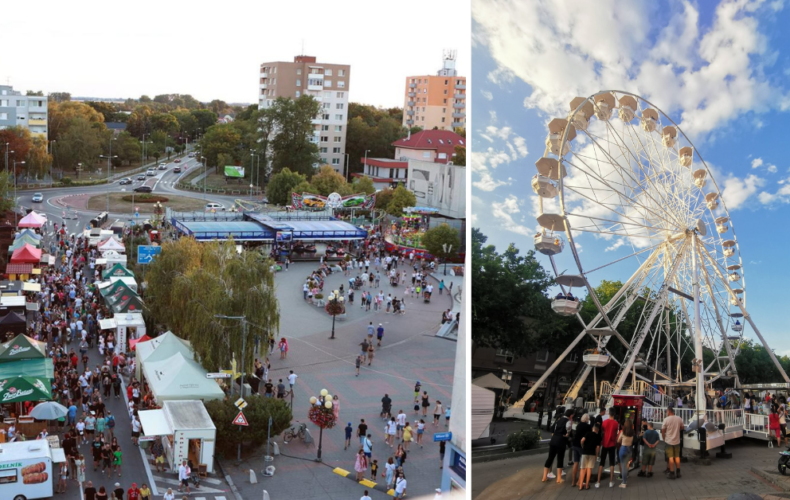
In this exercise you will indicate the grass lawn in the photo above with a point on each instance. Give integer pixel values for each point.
(118, 204)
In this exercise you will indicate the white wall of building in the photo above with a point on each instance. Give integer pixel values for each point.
(439, 186)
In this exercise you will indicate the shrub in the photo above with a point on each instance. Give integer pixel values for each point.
(258, 411)
(319, 296)
(523, 440)
(66, 181)
(145, 198)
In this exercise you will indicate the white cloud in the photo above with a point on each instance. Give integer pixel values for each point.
(521, 145)
(505, 210)
(737, 191)
(782, 195)
(617, 244)
(757, 162)
(488, 95)
(568, 48)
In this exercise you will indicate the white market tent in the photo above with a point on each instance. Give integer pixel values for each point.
(170, 344)
(186, 421)
(483, 401)
(111, 257)
(490, 381)
(112, 244)
(180, 378)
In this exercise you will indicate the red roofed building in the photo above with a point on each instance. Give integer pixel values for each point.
(436, 146)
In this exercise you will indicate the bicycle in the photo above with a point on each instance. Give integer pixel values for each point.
(298, 430)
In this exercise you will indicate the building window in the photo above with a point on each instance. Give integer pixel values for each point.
(323, 150)
(325, 128)
(298, 82)
(341, 84)
(442, 119)
(325, 105)
(339, 105)
(327, 95)
(339, 118)
(325, 117)
(298, 94)
(341, 72)
(4, 103)
(336, 150)
(338, 139)
(426, 154)
(424, 91)
(542, 356)
(328, 72)
(341, 95)
(314, 81)
(572, 357)
(3, 116)
(323, 160)
(504, 353)
(423, 109)
(446, 81)
(338, 128)
(445, 91)
(324, 138)
(298, 71)
(442, 156)
(327, 83)
(335, 161)
(314, 71)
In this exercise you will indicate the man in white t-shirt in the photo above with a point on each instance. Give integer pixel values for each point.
(365, 496)
(672, 432)
(401, 419)
(292, 380)
(400, 487)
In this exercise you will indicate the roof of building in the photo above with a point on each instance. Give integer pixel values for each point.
(442, 141)
(385, 162)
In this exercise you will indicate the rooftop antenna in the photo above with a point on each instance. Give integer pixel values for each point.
(302, 46)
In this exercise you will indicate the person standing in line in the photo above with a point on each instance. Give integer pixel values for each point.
(671, 431)
(557, 447)
(650, 440)
(626, 441)
(609, 430)
(117, 492)
(145, 492)
(576, 446)
(591, 446)
(90, 491)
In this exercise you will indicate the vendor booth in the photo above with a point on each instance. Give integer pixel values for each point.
(111, 244)
(186, 432)
(26, 254)
(111, 257)
(116, 270)
(22, 347)
(180, 378)
(127, 326)
(15, 304)
(12, 324)
(161, 348)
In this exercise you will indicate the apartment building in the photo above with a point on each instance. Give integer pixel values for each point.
(328, 84)
(436, 101)
(26, 111)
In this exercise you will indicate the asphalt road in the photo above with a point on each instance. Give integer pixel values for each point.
(163, 183)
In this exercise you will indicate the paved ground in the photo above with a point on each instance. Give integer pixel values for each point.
(409, 353)
(520, 478)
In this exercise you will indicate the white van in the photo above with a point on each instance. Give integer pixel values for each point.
(214, 207)
(28, 469)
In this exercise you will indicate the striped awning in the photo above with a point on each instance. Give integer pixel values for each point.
(19, 268)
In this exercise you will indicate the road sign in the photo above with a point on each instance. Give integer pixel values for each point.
(442, 436)
(240, 419)
(240, 404)
(145, 253)
(218, 375)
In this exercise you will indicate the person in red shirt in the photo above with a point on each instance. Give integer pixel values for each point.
(773, 424)
(609, 430)
(133, 493)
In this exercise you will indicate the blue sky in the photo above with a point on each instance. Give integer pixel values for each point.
(716, 68)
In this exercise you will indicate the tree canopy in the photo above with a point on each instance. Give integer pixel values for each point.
(282, 184)
(291, 146)
(257, 413)
(400, 199)
(435, 238)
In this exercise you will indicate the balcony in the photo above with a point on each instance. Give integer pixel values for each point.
(459, 105)
(410, 113)
(37, 109)
(37, 122)
(264, 75)
(264, 86)
(459, 96)
(459, 115)
(459, 124)
(316, 121)
(318, 88)
(409, 122)
(411, 103)
(412, 94)
(460, 86)
(412, 85)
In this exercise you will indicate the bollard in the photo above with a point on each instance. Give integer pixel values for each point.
(253, 477)
(265, 495)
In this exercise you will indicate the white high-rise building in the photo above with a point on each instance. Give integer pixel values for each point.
(328, 84)
(22, 110)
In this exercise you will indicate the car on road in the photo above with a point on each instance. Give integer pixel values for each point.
(141, 177)
(125, 180)
(213, 207)
(178, 160)
(151, 172)
(143, 189)
(177, 170)
(37, 197)
(163, 166)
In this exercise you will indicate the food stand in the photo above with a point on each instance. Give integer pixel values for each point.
(127, 326)
(185, 430)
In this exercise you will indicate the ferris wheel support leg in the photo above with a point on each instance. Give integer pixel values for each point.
(722, 328)
(657, 306)
(747, 317)
(700, 386)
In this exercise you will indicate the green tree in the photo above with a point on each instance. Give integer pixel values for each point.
(257, 412)
(187, 123)
(401, 198)
(218, 107)
(107, 109)
(328, 180)
(60, 115)
(193, 282)
(139, 121)
(435, 238)
(7, 202)
(164, 122)
(127, 148)
(37, 93)
(38, 159)
(81, 142)
(383, 198)
(282, 184)
(374, 130)
(59, 97)
(205, 118)
(362, 185)
(221, 138)
(460, 155)
(291, 146)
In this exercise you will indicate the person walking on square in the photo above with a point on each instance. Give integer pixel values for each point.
(425, 403)
(349, 430)
(380, 334)
(358, 363)
(360, 465)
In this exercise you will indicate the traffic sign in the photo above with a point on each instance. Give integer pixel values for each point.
(442, 436)
(240, 404)
(218, 375)
(145, 253)
(240, 419)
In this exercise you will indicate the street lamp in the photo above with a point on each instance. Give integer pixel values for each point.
(321, 414)
(243, 320)
(109, 158)
(6, 156)
(334, 306)
(15, 208)
(205, 174)
(447, 249)
(253, 154)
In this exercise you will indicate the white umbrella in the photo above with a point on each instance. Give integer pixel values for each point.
(49, 410)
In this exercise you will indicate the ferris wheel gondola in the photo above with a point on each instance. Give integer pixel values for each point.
(632, 177)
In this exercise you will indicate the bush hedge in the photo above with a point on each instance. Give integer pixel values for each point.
(145, 198)
(523, 440)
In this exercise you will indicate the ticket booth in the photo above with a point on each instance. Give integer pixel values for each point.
(628, 406)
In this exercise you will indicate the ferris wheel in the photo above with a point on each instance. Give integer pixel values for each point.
(620, 171)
